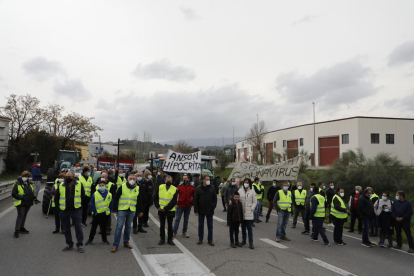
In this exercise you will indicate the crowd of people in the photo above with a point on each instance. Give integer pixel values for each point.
(130, 195)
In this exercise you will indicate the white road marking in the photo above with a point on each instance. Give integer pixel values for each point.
(274, 243)
(196, 261)
(330, 267)
(2, 214)
(174, 264)
(218, 219)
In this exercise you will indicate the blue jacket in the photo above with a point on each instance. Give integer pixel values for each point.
(402, 209)
(36, 173)
(314, 205)
(92, 204)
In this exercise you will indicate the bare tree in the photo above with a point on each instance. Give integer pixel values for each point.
(183, 147)
(255, 137)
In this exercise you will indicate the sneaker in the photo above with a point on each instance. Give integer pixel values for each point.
(389, 246)
(397, 247)
(341, 243)
(83, 224)
(185, 235)
(331, 225)
(105, 242)
(127, 245)
(171, 243)
(367, 244)
(251, 246)
(326, 244)
(232, 245)
(411, 251)
(88, 242)
(381, 244)
(305, 233)
(161, 242)
(67, 248)
(81, 250)
(285, 238)
(114, 249)
(16, 234)
(23, 231)
(315, 240)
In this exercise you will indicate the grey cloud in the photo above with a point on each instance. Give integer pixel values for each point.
(189, 13)
(405, 103)
(163, 69)
(403, 53)
(343, 83)
(42, 69)
(306, 19)
(72, 89)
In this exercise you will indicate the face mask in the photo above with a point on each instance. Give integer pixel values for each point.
(274, 184)
(122, 175)
(169, 183)
(88, 174)
(103, 179)
(38, 165)
(69, 179)
(342, 194)
(300, 187)
(357, 192)
(192, 183)
(324, 187)
(384, 198)
(289, 184)
(101, 189)
(208, 182)
(24, 179)
(139, 178)
(132, 182)
(397, 198)
(150, 176)
(370, 196)
(386, 210)
(61, 180)
(332, 187)
(236, 199)
(311, 189)
(285, 188)
(233, 183)
(246, 185)
(158, 173)
(185, 181)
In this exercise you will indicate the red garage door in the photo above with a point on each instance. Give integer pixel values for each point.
(269, 153)
(328, 150)
(245, 154)
(292, 147)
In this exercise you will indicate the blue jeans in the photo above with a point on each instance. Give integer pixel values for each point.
(282, 221)
(124, 217)
(247, 224)
(318, 229)
(209, 227)
(257, 209)
(178, 213)
(76, 220)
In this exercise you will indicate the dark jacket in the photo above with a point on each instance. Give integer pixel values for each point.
(36, 173)
(365, 207)
(309, 195)
(160, 180)
(314, 205)
(385, 222)
(149, 191)
(271, 192)
(117, 196)
(205, 200)
(330, 193)
(235, 212)
(402, 209)
(229, 192)
(70, 195)
(28, 197)
(170, 205)
(143, 192)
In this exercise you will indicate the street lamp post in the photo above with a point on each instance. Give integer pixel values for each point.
(314, 136)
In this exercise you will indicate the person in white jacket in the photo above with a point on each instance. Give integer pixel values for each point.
(384, 200)
(249, 202)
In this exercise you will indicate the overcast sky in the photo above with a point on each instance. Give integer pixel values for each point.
(193, 69)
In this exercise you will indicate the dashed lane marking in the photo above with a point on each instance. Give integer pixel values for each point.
(218, 219)
(274, 243)
(330, 267)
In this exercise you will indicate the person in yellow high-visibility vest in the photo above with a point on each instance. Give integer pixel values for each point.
(256, 187)
(298, 198)
(317, 215)
(86, 180)
(283, 204)
(23, 199)
(59, 180)
(165, 199)
(340, 213)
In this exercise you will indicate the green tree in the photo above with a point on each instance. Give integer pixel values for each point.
(223, 159)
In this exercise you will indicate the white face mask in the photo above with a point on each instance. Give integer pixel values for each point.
(311, 189)
(357, 192)
(149, 176)
(132, 182)
(24, 179)
(158, 173)
(332, 187)
(38, 165)
(246, 185)
(208, 182)
(300, 187)
(139, 178)
(342, 194)
(61, 180)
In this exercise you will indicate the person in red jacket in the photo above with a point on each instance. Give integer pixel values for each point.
(184, 204)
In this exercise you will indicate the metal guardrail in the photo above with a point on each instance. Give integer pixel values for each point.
(7, 187)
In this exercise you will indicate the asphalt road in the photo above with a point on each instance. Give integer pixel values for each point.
(39, 253)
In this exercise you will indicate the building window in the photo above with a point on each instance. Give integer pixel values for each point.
(301, 141)
(274, 144)
(345, 138)
(374, 138)
(389, 138)
(284, 143)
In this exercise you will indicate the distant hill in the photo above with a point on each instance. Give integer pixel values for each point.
(204, 142)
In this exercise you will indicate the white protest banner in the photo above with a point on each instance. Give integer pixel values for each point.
(286, 170)
(183, 162)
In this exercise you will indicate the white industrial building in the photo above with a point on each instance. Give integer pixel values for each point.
(4, 141)
(331, 138)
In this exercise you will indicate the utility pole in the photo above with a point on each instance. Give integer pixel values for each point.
(314, 136)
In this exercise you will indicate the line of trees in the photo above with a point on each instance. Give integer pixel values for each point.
(45, 130)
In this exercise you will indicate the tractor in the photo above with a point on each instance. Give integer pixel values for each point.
(66, 160)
